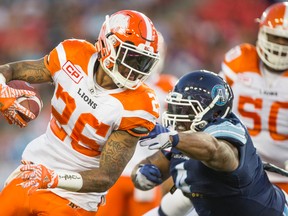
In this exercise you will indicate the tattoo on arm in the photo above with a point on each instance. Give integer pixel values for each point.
(115, 155)
(118, 155)
(33, 71)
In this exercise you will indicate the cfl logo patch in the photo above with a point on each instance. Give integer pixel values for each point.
(72, 72)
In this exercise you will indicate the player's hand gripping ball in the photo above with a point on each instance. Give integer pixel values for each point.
(34, 103)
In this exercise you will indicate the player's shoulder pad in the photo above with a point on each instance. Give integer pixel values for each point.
(144, 107)
(75, 41)
(74, 50)
(241, 58)
(146, 99)
(240, 51)
(230, 129)
(166, 82)
(77, 44)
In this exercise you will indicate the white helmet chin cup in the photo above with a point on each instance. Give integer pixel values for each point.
(273, 55)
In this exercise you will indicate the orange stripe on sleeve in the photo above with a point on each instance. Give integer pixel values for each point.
(243, 58)
(79, 51)
(166, 82)
(52, 62)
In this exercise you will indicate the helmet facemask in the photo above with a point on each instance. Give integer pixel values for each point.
(272, 43)
(187, 114)
(274, 55)
(180, 113)
(198, 98)
(127, 64)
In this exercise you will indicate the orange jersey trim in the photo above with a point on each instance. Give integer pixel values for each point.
(242, 58)
(72, 50)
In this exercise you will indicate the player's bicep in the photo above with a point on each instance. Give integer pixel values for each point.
(33, 71)
(225, 157)
(117, 152)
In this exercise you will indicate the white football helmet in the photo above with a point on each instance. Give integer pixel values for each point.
(274, 22)
(128, 45)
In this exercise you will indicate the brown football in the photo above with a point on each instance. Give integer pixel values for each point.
(34, 104)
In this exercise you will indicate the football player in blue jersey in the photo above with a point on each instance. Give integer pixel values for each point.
(212, 159)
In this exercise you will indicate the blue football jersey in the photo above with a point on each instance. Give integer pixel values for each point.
(243, 192)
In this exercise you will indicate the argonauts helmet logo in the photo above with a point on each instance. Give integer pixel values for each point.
(223, 94)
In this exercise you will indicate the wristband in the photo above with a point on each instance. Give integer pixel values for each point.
(69, 180)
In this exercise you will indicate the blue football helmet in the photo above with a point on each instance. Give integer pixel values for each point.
(197, 99)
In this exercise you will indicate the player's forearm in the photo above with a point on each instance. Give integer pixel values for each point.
(86, 181)
(197, 145)
(97, 181)
(31, 71)
(217, 154)
(115, 155)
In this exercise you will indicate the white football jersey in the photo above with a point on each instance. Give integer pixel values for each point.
(261, 102)
(84, 115)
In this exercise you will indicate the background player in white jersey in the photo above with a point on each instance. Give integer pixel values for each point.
(100, 108)
(259, 79)
(123, 198)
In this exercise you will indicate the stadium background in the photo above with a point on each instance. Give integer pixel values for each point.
(197, 34)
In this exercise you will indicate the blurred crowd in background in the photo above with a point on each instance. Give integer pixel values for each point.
(197, 33)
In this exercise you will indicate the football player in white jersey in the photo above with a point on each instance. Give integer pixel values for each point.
(100, 109)
(123, 198)
(258, 76)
